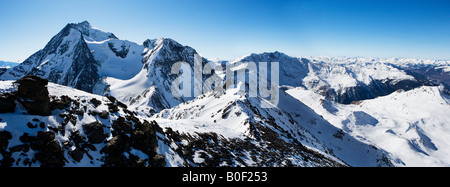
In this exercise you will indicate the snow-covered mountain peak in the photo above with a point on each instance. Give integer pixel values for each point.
(264, 57)
(151, 87)
(90, 32)
(164, 52)
(152, 43)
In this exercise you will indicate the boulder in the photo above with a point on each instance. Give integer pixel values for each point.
(122, 126)
(94, 132)
(33, 95)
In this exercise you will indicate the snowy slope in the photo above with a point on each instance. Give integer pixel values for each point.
(236, 116)
(412, 126)
(93, 130)
(118, 58)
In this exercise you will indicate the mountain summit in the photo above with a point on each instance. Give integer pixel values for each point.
(90, 32)
(78, 56)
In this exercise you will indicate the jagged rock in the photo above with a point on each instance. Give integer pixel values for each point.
(94, 132)
(95, 102)
(49, 152)
(114, 151)
(43, 138)
(117, 145)
(7, 103)
(32, 87)
(144, 138)
(61, 103)
(113, 108)
(111, 98)
(33, 95)
(122, 126)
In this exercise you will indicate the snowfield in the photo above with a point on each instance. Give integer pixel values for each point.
(412, 126)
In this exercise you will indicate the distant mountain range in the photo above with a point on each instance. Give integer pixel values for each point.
(6, 64)
(110, 94)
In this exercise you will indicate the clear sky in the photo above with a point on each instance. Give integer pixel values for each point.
(227, 29)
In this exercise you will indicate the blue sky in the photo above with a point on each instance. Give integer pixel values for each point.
(228, 29)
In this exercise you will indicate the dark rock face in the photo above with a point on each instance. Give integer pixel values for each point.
(430, 75)
(83, 73)
(33, 95)
(7, 103)
(122, 53)
(362, 92)
(32, 87)
(144, 137)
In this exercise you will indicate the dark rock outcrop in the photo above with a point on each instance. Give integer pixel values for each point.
(142, 137)
(48, 149)
(94, 132)
(33, 95)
